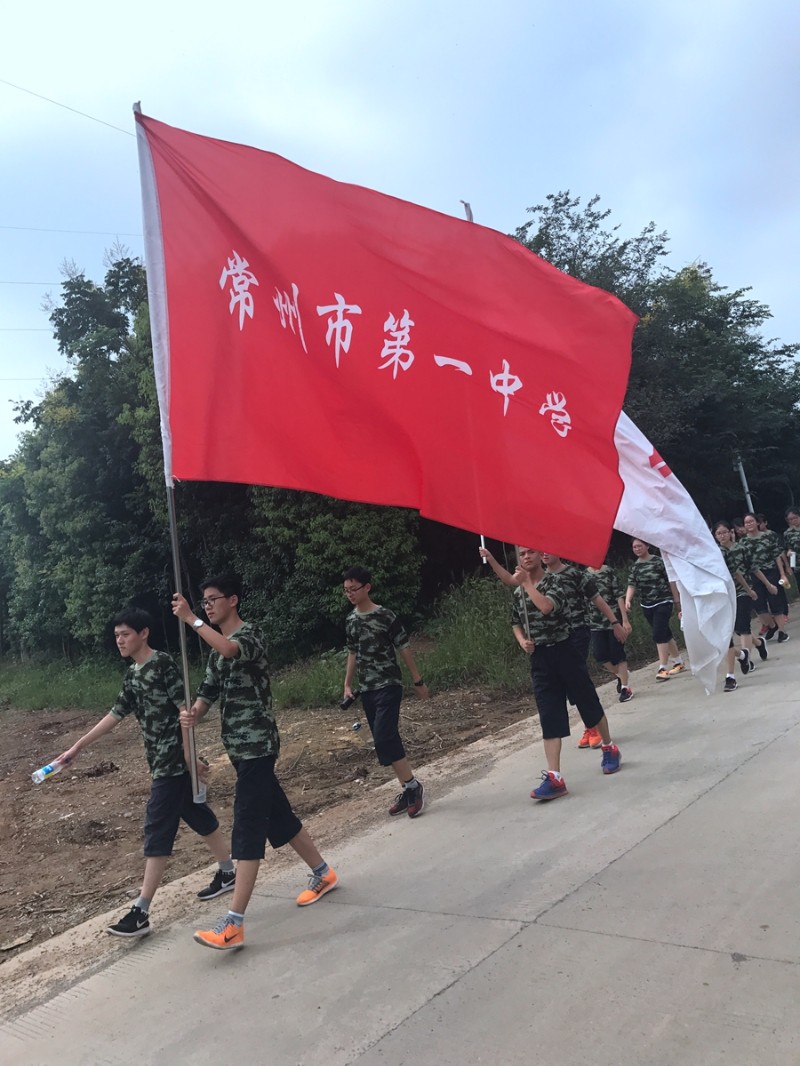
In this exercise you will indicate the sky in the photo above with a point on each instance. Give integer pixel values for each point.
(679, 112)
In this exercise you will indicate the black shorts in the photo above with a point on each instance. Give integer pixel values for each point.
(658, 617)
(581, 637)
(767, 602)
(744, 612)
(382, 711)
(558, 669)
(606, 648)
(171, 799)
(261, 811)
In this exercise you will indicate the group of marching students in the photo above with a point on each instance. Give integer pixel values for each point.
(760, 563)
(560, 611)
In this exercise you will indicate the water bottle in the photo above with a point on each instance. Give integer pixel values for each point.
(349, 701)
(793, 560)
(53, 768)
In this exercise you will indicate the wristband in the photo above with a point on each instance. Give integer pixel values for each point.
(419, 684)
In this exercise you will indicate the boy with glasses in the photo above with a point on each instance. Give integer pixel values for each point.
(237, 676)
(374, 635)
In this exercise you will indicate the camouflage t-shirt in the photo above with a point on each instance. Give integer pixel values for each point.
(372, 637)
(153, 693)
(791, 541)
(649, 578)
(541, 628)
(609, 586)
(581, 588)
(736, 558)
(764, 550)
(241, 685)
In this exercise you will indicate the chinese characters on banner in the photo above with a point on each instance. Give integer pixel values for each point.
(322, 336)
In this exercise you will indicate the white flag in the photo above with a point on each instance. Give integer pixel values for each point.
(656, 508)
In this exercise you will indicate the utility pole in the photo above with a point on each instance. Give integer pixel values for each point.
(737, 465)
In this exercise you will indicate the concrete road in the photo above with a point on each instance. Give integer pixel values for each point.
(651, 917)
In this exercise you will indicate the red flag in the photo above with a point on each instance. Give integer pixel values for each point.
(322, 336)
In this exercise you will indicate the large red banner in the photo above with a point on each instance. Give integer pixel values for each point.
(321, 336)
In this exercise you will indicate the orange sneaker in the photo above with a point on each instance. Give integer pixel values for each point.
(676, 668)
(225, 936)
(586, 738)
(595, 740)
(317, 887)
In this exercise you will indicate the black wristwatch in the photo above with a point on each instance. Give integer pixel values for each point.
(419, 684)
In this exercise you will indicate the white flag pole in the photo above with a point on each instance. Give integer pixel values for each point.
(468, 213)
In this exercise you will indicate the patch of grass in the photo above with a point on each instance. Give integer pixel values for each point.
(316, 682)
(472, 640)
(37, 685)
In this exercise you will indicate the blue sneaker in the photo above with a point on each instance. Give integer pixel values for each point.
(611, 759)
(551, 788)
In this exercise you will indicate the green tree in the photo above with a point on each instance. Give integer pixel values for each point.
(705, 384)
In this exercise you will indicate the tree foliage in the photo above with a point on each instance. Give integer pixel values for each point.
(705, 384)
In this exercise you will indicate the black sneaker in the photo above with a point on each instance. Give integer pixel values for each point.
(416, 800)
(770, 633)
(783, 636)
(762, 649)
(222, 882)
(400, 805)
(730, 684)
(135, 923)
(744, 664)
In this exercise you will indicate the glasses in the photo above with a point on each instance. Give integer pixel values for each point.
(353, 588)
(210, 600)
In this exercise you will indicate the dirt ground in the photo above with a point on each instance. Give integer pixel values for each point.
(71, 848)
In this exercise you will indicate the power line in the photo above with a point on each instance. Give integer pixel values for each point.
(66, 107)
(90, 232)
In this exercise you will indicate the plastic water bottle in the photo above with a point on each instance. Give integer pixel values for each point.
(793, 560)
(53, 768)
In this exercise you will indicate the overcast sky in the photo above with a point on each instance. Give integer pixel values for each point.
(680, 111)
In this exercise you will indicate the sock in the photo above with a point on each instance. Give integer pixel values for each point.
(556, 774)
(740, 656)
(677, 661)
(227, 866)
(143, 903)
(321, 870)
(412, 783)
(609, 745)
(235, 918)
(730, 675)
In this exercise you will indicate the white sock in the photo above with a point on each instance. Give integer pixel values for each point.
(556, 774)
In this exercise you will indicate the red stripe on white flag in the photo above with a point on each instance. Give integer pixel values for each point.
(656, 508)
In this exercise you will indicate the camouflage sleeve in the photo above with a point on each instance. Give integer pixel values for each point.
(395, 632)
(617, 588)
(209, 686)
(632, 575)
(589, 586)
(251, 646)
(173, 682)
(124, 705)
(552, 588)
(351, 636)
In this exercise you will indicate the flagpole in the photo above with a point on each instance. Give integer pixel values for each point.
(187, 687)
(157, 302)
(468, 213)
(524, 605)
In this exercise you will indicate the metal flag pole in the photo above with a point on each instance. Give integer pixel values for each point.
(187, 687)
(739, 466)
(523, 594)
(157, 302)
(468, 213)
